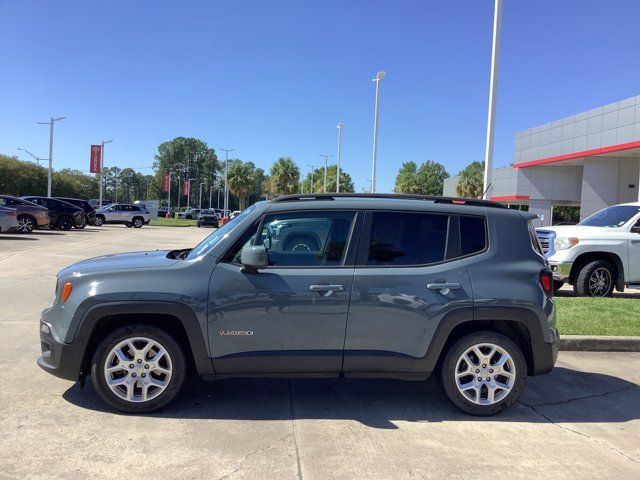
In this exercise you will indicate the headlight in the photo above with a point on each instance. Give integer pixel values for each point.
(563, 243)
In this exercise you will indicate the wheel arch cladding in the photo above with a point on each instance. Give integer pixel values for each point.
(178, 320)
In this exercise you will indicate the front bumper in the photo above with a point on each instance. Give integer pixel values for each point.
(64, 360)
(561, 270)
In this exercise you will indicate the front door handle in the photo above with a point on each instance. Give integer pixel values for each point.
(326, 290)
(635, 242)
(444, 288)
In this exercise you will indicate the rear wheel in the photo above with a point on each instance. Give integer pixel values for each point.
(26, 224)
(484, 373)
(595, 279)
(138, 369)
(65, 222)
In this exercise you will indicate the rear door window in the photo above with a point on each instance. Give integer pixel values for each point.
(407, 238)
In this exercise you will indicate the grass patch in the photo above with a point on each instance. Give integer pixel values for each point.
(173, 222)
(598, 316)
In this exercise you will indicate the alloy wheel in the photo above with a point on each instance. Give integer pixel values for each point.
(485, 374)
(25, 225)
(138, 369)
(600, 282)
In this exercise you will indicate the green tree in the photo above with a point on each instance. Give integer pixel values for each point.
(471, 182)
(407, 179)
(241, 181)
(428, 179)
(346, 182)
(74, 184)
(284, 177)
(186, 158)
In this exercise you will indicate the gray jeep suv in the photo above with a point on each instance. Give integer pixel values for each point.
(395, 286)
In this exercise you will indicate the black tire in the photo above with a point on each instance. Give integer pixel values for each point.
(138, 222)
(199, 225)
(82, 225)
(128, 224)
(301, 243)
(178, 364)
(590, 274)
(26, 224)
(99, 221)
(65, 222)
(450, 362)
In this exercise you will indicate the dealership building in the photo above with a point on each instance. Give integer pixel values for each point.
(590, 160)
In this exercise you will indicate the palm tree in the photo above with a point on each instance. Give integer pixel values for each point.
(284, 177)
(241, 181)
(471, 182)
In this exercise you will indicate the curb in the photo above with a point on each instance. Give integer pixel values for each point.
(584, 343)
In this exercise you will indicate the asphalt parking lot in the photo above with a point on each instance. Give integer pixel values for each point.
(581, 421)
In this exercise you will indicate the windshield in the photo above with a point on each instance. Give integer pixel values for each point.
(612, 217)
(219, 234)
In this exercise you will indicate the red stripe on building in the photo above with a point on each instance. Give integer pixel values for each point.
(586, 153)
(510, 198)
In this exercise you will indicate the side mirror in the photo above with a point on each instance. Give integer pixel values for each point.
(254, 258)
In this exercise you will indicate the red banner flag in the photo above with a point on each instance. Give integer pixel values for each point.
(185, 187)
(166, 179)
(95, 164)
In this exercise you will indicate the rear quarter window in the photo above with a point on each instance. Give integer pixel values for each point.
(473, 234)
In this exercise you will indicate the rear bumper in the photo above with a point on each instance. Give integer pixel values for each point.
(64, 360)
(545, 355)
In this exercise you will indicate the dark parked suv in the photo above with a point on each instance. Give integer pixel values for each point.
(395, 286)
(30, 215)
(89, 211)
(63, 215)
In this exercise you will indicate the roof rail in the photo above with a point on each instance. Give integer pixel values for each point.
(400, 196)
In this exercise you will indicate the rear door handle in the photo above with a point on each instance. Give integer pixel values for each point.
(635, 242)
(443, 288)
(326, 290)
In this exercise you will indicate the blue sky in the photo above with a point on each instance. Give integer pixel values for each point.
(274, 78)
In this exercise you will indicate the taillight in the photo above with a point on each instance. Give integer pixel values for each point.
(13, 213)
(546, 281)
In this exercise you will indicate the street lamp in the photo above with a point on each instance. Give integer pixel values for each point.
(491, 116)
(226, 179)
(200, 201)
(326, 158)
(312, 169)
(37, 159)
(51, 121)
(189, 192)
(379, 77)
(211, 195)
(340, 125)
(104, 142)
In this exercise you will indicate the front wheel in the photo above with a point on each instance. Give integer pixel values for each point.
(26, 224)
(595, 279)
(65, 222)
(138, 369)
(98, 221)
(484, 373)
(138, 222)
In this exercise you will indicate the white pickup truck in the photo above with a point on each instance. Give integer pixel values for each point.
(599, 254)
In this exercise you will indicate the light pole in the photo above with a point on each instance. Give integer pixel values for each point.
(311, 189)
(211, 196)
(51, 121)
(491, 116)
(379, 77)
(200, 202)
(226, 179)
(340, 125)
(104, 142)
(189, 193)
(37, 159)
(326, 159)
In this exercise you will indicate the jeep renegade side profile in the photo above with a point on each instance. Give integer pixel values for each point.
(353, 285)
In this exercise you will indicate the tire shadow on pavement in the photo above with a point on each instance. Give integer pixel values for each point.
(570, 396)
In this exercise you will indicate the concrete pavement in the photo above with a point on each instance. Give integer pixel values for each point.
(581, 421)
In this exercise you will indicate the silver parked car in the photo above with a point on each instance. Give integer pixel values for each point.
(124, 213)
(8, 219)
